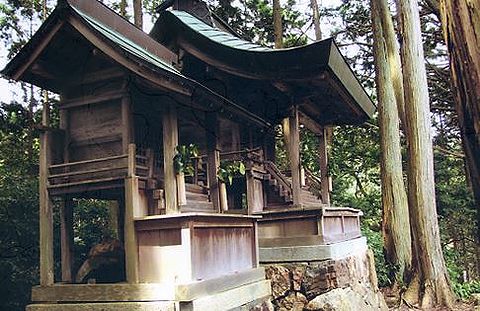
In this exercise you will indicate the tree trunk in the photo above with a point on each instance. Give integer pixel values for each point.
(316, 19)
(434, 286)
(396, 225)
(461, 29)
(137, 13)
(122, 8)
(277, 24)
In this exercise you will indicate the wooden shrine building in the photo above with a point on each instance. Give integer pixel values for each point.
(128, 100)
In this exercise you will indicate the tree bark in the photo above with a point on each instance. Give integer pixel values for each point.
(277, 24)
(461, 30)
(123, 8)
(396, 224)
(137, 13)
(316, 19)
(434, 286)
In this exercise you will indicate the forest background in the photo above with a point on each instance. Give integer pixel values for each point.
(354, 152)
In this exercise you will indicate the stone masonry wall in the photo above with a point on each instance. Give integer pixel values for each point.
(300, 285)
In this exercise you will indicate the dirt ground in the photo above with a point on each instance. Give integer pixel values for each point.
(392, 300)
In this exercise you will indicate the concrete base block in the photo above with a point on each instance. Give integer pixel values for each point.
(234, 298)
(312, 252)
(106, 306)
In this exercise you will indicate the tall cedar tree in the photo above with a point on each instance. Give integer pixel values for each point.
(138, 13)
(431, 285)
(461, 29)
(277, 24)
(396, 225)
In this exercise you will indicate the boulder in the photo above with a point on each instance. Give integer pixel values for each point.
(280, 278)
(358, 297)
(292, 302)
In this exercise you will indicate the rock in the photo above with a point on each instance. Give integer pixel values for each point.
(265, 306)
(293, 302)
(476, 299)
(315, 280)
(297, 277)
(280, 278)
(359, 298)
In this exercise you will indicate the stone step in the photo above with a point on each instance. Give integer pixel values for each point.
(193, 196)
(194, 188)
(197, 206)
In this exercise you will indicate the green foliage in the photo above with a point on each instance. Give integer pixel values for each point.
(229, 169)
(253, 20)
(183, 162)
(465, 290)
(91, 225)
(18, 206)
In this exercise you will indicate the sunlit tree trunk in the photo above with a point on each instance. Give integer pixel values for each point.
(277, 24)
(122, 8)
(461, 29)
(137, 13)
(431, 285)
(316, 19)
(396, 224)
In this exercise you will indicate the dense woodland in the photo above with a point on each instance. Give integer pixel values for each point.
(356, 153)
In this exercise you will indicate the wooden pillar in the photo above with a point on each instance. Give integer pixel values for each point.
(113, 218)
(269, 147)
(294, 153)
(66, 239)
(323, 158)
(213, 158)
(127, 123)
(45, 212)
(132, 200)
(66, 211)
(170, 142)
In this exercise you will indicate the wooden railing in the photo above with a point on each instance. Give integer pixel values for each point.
(281, 179)
(135, 162)
(200, 163)
(314, 183)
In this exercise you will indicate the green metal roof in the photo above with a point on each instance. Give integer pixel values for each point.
(316, 72)
(217, 35)
(127, 44)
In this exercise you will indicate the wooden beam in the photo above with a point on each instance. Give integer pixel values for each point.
(119, 56)
(294, 153)
(213, 158)
(323, 158)
(127, 123)
(91, 99)
(310, 123)
(37, 51)
(130, 237)
(45, 212)
(66, 239)
(170, 142)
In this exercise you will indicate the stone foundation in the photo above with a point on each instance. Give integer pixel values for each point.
(304, 285)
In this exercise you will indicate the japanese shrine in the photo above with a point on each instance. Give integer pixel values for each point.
(136, 110)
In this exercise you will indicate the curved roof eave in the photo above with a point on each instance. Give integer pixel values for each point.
(180, 30)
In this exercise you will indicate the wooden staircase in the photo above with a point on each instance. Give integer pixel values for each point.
(197, 199)
(279, 190)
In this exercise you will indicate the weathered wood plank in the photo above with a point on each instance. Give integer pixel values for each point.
(66, 239)
(323, 158)
(45, 212)
(170, 142)
(213, 158)
(131, 249)
(294, 154)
